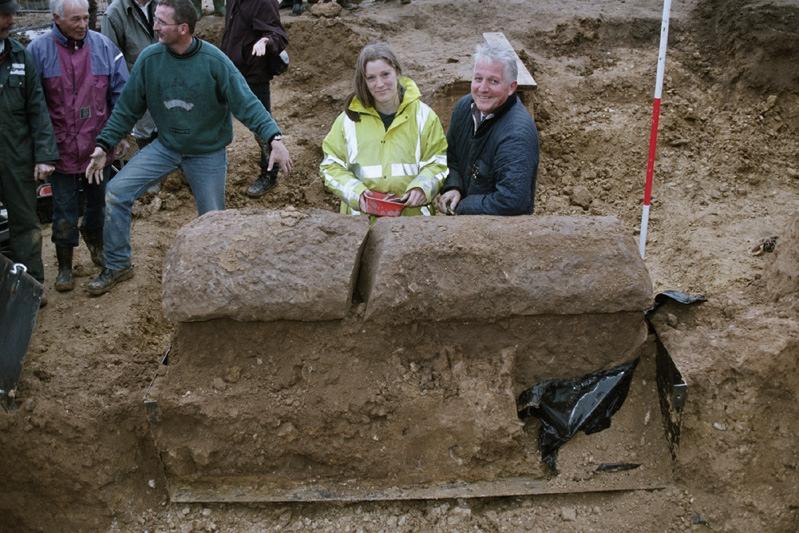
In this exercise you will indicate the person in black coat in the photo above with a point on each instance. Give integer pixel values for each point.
(254, 40)
(493, 143)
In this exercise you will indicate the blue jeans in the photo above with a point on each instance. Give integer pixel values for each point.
(205, 174)
(72, 193)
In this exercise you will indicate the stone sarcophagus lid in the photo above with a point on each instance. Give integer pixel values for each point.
(316, 356)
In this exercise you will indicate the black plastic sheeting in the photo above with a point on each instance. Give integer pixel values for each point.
(672, 388)
(567, 406)
(20, 295)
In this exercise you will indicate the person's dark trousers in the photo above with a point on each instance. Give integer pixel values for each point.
(261, 91)
(71, 192)
(18, 195)
(267, 180)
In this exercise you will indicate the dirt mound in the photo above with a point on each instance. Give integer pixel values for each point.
(726, 177)
(321, 50)
(754, 42)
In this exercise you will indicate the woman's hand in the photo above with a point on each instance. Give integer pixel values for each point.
(414, 198)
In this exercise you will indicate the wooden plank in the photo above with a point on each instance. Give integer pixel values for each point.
(524, 79)
(251, 489)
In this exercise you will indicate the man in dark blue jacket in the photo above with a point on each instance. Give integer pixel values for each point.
(493, 143)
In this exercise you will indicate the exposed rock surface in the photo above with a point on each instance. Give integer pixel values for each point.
(783, 273)
(486, 268)
(263, 266)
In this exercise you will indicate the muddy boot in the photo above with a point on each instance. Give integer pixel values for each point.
(265, 182)
(94, 242)
(107, 279)
(64, 281)
(296, 7)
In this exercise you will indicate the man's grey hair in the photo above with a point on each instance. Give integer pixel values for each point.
(57, 6)
(503, 54)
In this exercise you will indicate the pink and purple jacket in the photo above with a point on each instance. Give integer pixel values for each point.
(82, 81)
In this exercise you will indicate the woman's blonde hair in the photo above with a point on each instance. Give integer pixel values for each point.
(370, 52)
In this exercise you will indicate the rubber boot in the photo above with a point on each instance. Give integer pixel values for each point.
(297, 8)
(64, 281)
(94, 242)
(263, 184)
(268, 178)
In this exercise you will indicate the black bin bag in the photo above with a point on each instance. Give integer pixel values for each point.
(20, 296)
(566, 406)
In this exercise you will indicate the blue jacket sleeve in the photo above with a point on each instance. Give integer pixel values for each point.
(515, 168)
(119, 75)
(44, 145)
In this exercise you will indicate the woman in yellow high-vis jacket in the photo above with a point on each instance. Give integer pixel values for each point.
(387, 140)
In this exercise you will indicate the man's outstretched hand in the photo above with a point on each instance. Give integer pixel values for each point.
(94, 172)
(42, 170)
(448, 201)
(280, 155)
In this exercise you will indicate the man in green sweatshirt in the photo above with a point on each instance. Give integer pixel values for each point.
(191, 89)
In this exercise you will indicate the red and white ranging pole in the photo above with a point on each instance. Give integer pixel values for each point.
(653, 134)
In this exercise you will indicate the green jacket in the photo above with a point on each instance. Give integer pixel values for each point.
(124, 24)
(364, 155)
(190, 97)
(26, 137)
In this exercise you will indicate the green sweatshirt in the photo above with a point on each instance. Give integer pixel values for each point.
(190, 97)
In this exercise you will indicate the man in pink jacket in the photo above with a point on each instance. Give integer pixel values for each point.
(83, 74)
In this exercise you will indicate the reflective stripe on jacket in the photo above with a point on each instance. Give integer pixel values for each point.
(364, 155)
(81, 85)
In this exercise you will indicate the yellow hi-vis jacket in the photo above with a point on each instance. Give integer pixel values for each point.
(364, 155)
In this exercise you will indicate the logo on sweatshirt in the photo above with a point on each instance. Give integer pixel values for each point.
(179, 94)
(171, 104)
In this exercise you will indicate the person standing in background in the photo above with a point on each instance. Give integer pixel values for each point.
(83, 74)
(254, 39)
(27, 145)
(129, 25)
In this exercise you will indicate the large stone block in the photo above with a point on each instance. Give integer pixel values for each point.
(414, 385)
(263, 266)
(486, 268)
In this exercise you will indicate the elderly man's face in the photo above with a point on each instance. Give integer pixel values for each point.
(75, 22)
(6, 23)
(490, 89)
